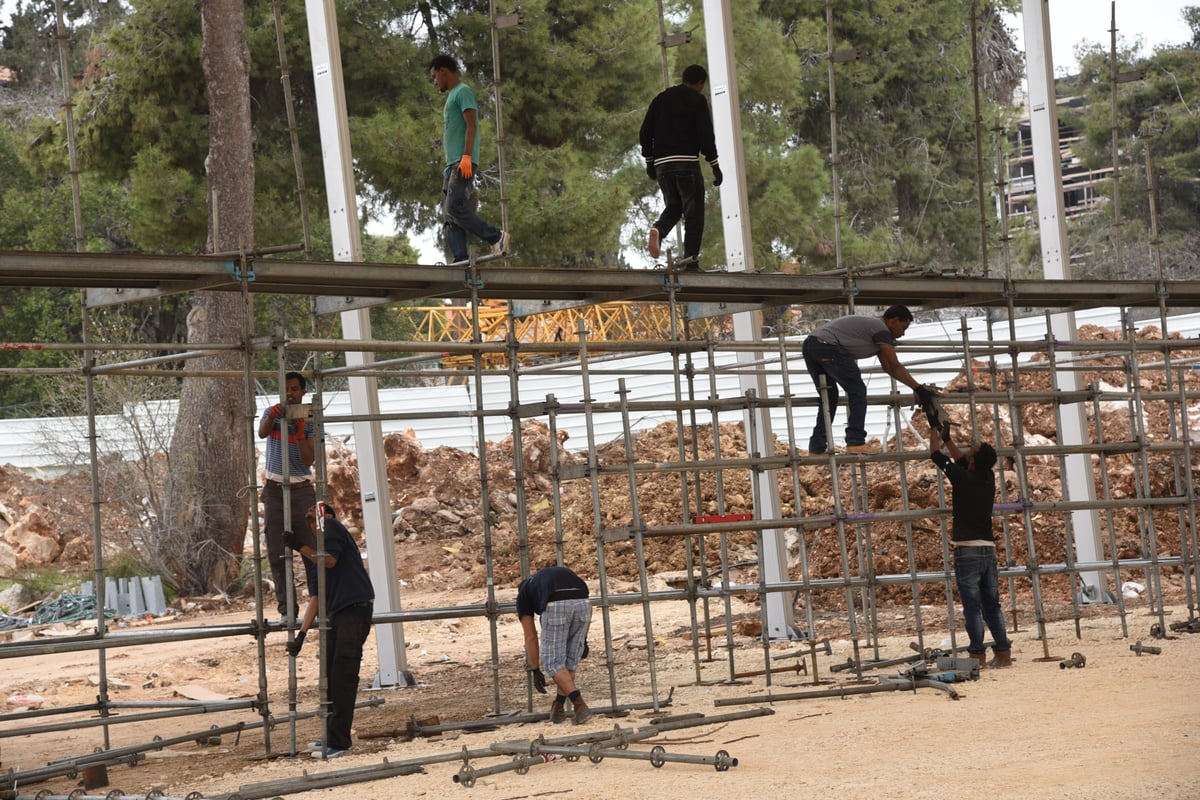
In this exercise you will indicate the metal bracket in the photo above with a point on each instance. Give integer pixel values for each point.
(233, 269)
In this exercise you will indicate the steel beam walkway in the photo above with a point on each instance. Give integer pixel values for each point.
(118, 278)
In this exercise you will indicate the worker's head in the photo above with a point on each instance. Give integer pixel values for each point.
(897, 319)
(443, 71)
(695, 76)
(982, 457)
(294, 385)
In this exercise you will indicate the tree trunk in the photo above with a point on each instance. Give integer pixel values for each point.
(205, 507)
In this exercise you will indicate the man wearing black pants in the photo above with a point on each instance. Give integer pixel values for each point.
(349, 607)
(677, 127)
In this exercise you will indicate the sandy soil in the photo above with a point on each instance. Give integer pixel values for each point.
(1124, 725)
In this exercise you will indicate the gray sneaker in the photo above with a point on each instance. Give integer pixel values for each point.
(501, 246)
(328, 752)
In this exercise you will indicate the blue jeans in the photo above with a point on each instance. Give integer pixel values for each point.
(683, 193)
(979, 590)
(458, 213)
(348, 631)
(839, 369)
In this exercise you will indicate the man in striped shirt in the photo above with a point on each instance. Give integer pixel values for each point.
(276, 422)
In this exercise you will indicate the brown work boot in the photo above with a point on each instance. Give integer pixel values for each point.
(866, 448)
(652, 244)
(1003, 659)
(582, 712)
(980, 657)
(558, 712)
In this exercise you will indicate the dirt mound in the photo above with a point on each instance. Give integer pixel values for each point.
(442, 524)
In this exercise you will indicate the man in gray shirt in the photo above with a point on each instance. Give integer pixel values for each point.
(833, 351)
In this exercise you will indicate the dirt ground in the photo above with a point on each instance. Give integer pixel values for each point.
(1125, 724)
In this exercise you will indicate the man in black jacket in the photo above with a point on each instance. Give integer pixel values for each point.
(973, 487)
(677, 127)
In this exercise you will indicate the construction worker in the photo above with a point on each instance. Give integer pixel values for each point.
(973, 494)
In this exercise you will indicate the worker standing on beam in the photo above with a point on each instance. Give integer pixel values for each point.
(677, 127)
(460, 141)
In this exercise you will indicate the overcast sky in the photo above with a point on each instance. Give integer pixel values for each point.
(1073, 22)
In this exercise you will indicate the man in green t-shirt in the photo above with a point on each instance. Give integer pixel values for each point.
(460, 140)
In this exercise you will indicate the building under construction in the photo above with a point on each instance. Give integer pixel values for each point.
(1123, 410)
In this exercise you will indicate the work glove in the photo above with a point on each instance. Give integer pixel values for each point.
(924, 395)
(717, 176)
(293, 647)
(464, 167)
(291, 540)
(539, 680)
(650, 169)
(586, 650)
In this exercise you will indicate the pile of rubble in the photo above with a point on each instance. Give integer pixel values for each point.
(439, 523)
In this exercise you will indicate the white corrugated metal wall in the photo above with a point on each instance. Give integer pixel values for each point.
(445, 415)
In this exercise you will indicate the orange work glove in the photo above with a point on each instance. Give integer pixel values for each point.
(464, 167)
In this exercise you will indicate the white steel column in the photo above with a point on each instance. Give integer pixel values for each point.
(1079, 482)
(364, 398)
(747, 325)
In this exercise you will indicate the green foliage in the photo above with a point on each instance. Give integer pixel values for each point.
(576, 77)
(1156, 119)
(44, 581)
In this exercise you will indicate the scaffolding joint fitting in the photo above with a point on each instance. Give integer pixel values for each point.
(235, 270)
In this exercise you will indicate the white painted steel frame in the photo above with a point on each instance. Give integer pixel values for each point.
(356, 324)
(1056, 265)
(747, 325)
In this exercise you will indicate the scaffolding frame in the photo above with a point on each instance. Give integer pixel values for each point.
(714, 577)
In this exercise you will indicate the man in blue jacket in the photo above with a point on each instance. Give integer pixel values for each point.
(677, 127)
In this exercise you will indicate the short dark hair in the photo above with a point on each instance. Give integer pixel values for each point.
(898, 312)
(444, 61)
(694, 74)
(985, 457)
(296, 376)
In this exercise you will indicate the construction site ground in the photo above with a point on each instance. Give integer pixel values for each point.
(1123, 725)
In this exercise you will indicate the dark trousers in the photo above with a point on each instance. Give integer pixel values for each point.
(683, 193)
(303, 497)
(458, 213)
(348, 632)
(978, 581)
(839, 369)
